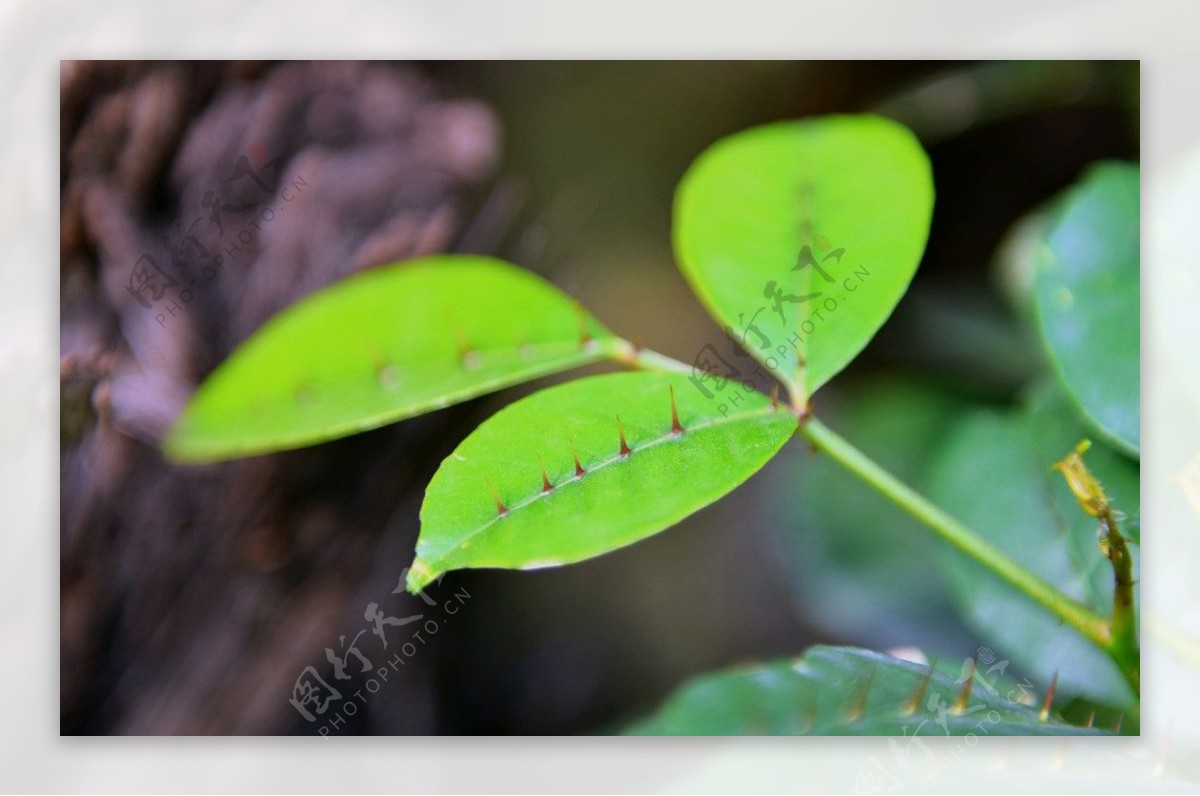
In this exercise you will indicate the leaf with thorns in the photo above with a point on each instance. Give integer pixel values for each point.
(383, 345)
(586, 467)
(846, 691)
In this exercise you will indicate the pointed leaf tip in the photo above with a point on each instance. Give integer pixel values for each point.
(420, 575)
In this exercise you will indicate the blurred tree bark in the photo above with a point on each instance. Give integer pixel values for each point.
(192, 598)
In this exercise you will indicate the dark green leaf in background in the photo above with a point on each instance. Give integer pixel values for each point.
(993, 475)
(845, 549)
(1087, 299)
(844, 691)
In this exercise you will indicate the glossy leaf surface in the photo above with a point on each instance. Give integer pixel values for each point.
(844, 691)
(1087, 298)
(489, 506)
(383, 345)
(800, 237)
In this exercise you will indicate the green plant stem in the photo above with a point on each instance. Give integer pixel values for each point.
(1091, 625)
(631, 355)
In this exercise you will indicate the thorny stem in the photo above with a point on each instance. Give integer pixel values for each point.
(1091, 498)
(1124, 626)
(1118, 639)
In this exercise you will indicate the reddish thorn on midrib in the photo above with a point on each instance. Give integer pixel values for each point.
(585, 334)
(859, 705)
(546, 485)
(501, 509)
(917, 699)
(461, 344)
(675, 427)
(964, 696)
(775, 397)
(305, 394)
(625, 450)
(1044, 714)
(579, 471)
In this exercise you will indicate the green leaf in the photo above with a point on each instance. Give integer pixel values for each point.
(619, 500)
(1087, 298)
(854, 192)
(845, 691)
(993, 476)
(383, 345)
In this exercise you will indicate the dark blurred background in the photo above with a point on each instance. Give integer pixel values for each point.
(193, 598)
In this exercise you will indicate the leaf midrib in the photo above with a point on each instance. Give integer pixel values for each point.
(434, 562)
(395, 411)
